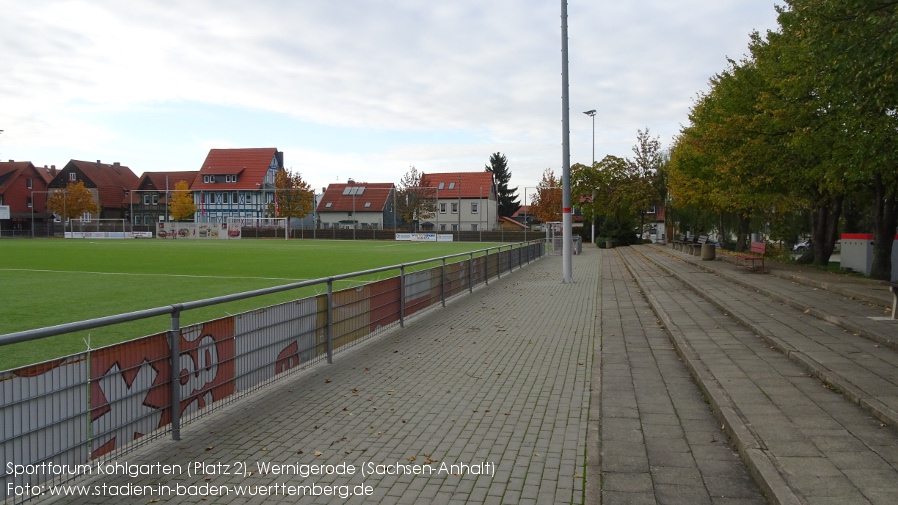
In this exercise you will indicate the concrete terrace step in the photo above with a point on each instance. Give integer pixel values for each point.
(802, 442)
(659, 442)
(861, 306)
(865, 371)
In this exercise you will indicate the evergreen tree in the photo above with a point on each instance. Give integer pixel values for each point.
(508, 198)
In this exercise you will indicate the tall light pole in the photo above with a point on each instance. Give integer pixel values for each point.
(566, 232)
(592, 113)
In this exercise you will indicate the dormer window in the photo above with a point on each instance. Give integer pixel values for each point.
(208, 179)
(231, 178)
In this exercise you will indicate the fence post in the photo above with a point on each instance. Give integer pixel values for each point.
(174, 344)
(402, 296)
(486, 267)
(443, 282)
(470, 272)
(330, 320)
(499, 263)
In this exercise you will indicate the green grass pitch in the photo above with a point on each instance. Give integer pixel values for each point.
(49, 282)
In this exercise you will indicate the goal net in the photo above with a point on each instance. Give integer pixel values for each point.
(259, 227)
(98, 228)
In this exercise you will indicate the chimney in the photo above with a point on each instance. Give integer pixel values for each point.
(116, 164)
(98, 164)
(12, 161)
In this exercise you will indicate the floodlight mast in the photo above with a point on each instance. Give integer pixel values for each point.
(566, 232)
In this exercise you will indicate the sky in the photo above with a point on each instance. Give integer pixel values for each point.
(356, 89)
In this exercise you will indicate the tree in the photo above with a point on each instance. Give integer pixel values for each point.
(508, 198)
(180, 205)
(843, 80)
(546, 204)
(644, 177)
(415, 200)
(72, 202)
(293, 197)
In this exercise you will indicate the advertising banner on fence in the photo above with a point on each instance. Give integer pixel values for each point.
(130, 396)
(44, 408)
(424, 237)
(173, 230)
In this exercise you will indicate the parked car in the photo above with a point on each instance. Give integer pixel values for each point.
(802, 245)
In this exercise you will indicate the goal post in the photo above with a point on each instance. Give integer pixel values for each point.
(97, 228)
(259, 227)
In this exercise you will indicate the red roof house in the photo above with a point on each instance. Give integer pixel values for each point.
(465, 201)
(110, 184)
(357, 205)
(236, 183)
(22, 188)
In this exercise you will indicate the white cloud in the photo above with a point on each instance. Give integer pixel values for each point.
(489, 69)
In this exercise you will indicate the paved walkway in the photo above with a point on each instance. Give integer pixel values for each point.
(645, 381)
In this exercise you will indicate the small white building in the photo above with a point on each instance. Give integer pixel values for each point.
(466, 201)
(359, 205)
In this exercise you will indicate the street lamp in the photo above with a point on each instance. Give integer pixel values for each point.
(592, 113)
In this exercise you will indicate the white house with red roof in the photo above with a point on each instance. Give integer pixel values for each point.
(237, 183)
(359, 205)
(466, 201)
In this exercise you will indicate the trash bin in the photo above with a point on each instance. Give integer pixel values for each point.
(709, 252)
(609, 244)
(578, 245)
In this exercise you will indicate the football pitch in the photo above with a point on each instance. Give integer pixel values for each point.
(50, 282)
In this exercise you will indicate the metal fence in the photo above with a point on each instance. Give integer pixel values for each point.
(60, 416)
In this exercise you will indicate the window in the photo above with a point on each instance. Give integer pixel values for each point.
(651, 210)
(208, 179)
(473, 207)
(29, 202)
(454, 227)
(73, 176)
(231, 178)
(234, 198)
(442, 227)
(29, 183)
(442, 208)
(474, 227)
(455, 207)
(328, 205)
(367, 205)
(441, 185)
(146, 199)
(85, 217)
(451, 185)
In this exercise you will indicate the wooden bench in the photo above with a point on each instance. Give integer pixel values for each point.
(893, 287)
(695, 248)
(756, 250)
(679, 241)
